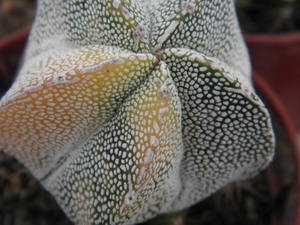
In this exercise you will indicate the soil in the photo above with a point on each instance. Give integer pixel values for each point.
(23, 201)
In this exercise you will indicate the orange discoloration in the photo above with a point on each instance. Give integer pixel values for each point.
(39, 125)
(152, 115)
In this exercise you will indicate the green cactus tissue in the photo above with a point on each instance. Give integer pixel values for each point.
(126, 109)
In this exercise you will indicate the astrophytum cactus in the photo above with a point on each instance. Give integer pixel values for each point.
(129, 109)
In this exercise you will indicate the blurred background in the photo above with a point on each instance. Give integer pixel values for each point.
(15, 15)
(268, 16)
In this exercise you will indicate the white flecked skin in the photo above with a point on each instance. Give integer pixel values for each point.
(128, 109)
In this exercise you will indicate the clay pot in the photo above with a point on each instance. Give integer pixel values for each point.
(276, 62)
(284, 172)
(276, 58)
(11, 48)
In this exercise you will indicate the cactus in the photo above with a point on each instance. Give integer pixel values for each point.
(127, 109)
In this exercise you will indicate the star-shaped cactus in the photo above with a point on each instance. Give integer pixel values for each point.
(127, 109)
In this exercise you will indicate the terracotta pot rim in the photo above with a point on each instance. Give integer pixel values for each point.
(10, 39)
(281, 39)
(280, 110)
(11, 48)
